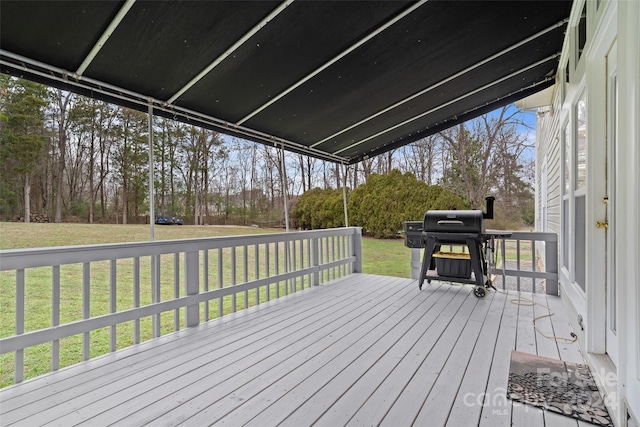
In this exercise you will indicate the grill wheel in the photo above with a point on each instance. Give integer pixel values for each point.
(479, 292)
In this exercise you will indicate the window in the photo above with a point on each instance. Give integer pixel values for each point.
(567, 159)
(580, 185)
(566, 167)
(581, 142)
(580, 253)
(565, 234)
(543, 196)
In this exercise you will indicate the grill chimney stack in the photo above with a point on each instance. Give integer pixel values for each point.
(489, 213)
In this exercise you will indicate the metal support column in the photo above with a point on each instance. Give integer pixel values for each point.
(290, 284)
(152, 214)
(284, 190)
(344, 194)
(155, 259)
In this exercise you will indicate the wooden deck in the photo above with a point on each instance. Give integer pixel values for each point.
(362, 350)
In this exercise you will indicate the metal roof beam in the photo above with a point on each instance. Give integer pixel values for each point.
(335, 59)
(453, 101)
(229, 51)
(56, 74)
(448, 79)
(105, 36)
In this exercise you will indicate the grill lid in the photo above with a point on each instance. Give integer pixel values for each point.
(443, 221)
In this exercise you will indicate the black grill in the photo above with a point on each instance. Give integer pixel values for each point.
(451, 227)
(454, 222)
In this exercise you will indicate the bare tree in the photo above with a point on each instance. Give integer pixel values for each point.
(129, 158)
(420, 158)
(105, 125)
(61, 104)
(367, 167)
(199, 146)
(90, 125)
(479, 153)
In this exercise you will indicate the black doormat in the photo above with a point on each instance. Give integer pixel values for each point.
(554, 385)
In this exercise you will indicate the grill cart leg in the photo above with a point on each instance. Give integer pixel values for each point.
(476, 261)
(489, 261)
(429, 247)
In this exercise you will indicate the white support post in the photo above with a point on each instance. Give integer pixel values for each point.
(357, 250)
(344, 194)
(155, 293)
(315, 259)
(86, 308)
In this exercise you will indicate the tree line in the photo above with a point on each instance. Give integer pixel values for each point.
(73, 158)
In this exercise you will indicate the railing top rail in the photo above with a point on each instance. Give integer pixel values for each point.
(534, 235)
(42, 257)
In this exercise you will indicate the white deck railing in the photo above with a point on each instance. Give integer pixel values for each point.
(131, 292)
(525, 261)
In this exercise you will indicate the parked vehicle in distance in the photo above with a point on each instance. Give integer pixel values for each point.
(168, 219)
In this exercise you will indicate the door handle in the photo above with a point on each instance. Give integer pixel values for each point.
(602, 224)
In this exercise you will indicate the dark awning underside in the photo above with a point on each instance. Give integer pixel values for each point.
(338, 80)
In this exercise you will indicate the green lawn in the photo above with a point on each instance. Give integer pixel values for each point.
(17, 235)
(384, 257)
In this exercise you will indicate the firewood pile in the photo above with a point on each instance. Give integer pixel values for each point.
(38, 217)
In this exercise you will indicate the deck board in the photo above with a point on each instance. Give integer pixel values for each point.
(435, 408)
(408, 405)
(526, 415)
(466, 407)
(100, 372)
(327, 375)
(496, 408)
(382, 354)
(360, 350)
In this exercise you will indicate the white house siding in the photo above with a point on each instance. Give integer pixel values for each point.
(608, 21)
(547, 155)
(549, 150)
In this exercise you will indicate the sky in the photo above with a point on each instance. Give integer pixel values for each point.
(528, 117)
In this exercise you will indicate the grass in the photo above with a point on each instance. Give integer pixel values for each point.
(18, 235)
(384, 257)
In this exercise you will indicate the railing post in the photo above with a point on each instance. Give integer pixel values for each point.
(155, 292)
(192, 286)
(357, 249)
(86, 308)
(18, 374)
(315, 259)
(551, 265)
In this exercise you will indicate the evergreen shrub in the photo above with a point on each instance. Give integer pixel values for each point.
(319, 209)
(384, 202)
(379, 206)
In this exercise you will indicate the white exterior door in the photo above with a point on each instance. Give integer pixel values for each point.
(611, 168)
